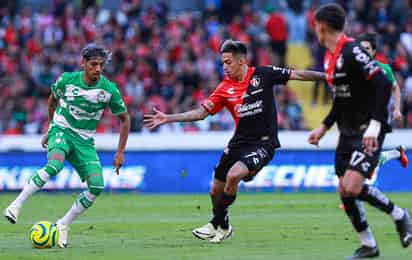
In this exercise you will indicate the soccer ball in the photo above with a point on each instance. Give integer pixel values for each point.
(43, 234)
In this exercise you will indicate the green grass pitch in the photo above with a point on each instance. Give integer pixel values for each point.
(136, 226)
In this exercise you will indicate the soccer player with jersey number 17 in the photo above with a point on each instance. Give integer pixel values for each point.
(362, 93)
(247, 92)
(75, 107)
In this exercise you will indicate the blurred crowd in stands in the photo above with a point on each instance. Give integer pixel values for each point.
(171, 59)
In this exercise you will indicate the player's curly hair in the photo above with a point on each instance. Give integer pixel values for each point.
(93, 50)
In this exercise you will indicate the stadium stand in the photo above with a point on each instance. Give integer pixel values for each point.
(169, 59)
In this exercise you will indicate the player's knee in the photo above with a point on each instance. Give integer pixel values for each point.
(217, 188)
(96, 190)
(55, 162)
(233, 178)
(95, 184)
(351, 191)
(53, 167)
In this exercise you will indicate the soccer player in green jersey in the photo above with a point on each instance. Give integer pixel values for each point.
(75, 107)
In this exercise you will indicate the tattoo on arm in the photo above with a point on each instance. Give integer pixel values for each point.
(189, 116)
(308, 75)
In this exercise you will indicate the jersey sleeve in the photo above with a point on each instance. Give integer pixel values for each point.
(215, 102)
(369, 69)
(389, 74)
(116, 103)
(57, 88)
(360, 61)
(278, 75)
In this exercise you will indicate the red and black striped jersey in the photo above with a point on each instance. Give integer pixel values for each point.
(251, 104)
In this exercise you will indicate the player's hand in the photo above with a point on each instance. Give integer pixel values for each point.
(118, 161)
(370, 137)
(370, 144)
(45, 141)
(316, 135)
(152, 121)
(397, 115)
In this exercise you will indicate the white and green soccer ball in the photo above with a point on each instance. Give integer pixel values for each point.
(43, 234)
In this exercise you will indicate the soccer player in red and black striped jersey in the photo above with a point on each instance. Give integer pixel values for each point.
(247, 92)
(359, 108)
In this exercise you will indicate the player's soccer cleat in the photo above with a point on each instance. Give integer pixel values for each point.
(12, 213)
(403, 158)
(222, 234)
(63, 233)
(404, 229)
(365, 252)
(207, 231)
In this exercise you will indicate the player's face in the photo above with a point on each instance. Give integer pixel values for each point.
(232, 65)
(320, 32)
(367, 46)
(93, 68)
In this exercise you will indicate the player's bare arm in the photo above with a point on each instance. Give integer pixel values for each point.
(307, 75)
(124, 133)
(396, 94)
(50, 109)
(158, 118)
(317, 134)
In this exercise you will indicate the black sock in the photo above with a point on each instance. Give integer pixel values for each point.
(356, 213)
(215, 202)
(376, 198)
(220, 218)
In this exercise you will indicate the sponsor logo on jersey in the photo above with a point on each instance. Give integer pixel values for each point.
(230, 90)
(246, 109)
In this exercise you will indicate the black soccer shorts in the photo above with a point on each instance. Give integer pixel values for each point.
(350, 154)
(255, 157)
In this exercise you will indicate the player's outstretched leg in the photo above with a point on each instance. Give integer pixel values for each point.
(208, 231)
(224, 230)
(83, 202)
(399, 153)
(356, 213)
(400, 216)
(35, 183)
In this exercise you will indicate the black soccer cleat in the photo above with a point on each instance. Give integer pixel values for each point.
(365, 252)
(404, 229)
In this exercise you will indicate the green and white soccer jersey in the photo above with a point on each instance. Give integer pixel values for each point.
(387, 71)
(80, 107)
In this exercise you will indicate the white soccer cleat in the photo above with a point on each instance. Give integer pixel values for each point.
(222, 234)
(63, 233)
(12, 213)
(207, 231)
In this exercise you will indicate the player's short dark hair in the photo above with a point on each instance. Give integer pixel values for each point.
(333, 15)
(234, 47)
(93, 50)
(372, 38)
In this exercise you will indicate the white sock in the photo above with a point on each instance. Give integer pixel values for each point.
(391, 154)
(30, 188)
(397, 213)
(367, 238)
(76, 210)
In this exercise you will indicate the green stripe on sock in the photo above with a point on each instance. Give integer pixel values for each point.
(37, 180)
(84, 201)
